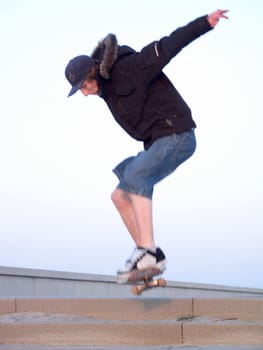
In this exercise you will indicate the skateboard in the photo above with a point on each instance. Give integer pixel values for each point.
(144, 280)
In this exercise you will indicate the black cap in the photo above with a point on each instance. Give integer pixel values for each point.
(76, 71)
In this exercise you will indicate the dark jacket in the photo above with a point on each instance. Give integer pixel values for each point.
(140, 96)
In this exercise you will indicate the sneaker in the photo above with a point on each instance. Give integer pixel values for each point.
(141, 259)
(131, 263)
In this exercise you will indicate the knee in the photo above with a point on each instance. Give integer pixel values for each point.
(119, 198)
(115, 196)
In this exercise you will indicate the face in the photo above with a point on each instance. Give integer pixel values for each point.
(89, 87)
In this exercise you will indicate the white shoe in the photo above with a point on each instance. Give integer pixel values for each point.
(142, 259)
(131, 263)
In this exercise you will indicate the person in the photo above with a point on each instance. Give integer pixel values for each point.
(144, 102)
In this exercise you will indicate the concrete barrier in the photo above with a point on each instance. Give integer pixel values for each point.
(24, 282)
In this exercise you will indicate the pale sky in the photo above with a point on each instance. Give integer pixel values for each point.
(56, 153)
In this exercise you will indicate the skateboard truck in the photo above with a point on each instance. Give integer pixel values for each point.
(147, 281)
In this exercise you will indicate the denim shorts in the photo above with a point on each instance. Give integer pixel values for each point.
(140, 173)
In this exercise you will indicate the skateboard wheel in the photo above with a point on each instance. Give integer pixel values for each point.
(162, 282)
(136, 290)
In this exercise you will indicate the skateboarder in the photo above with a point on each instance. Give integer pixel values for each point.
(148, 107)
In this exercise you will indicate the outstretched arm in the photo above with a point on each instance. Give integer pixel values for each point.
(215, 16)
(153, 57)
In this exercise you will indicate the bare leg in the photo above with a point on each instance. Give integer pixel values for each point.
(142, 207)
(136, 213)
(122, 202)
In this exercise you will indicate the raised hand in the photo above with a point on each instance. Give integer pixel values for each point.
(215, 16)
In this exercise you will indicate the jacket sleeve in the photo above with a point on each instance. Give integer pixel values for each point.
(149, 62)
(142, 67)
(171, 45)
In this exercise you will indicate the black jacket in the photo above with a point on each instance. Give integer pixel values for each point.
(140, 96)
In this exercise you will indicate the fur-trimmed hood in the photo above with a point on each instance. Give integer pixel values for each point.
(106, 53)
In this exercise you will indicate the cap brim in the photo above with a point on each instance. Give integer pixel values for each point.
(75, 88)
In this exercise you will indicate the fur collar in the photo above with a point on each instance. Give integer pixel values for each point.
(106, 53)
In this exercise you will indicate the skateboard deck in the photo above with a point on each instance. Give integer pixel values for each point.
(144, 280)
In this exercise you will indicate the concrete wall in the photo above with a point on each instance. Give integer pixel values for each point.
(31, 283)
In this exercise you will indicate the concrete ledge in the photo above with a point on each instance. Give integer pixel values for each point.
(235, 334)
(138, 334)
(141, 309)
(137, 322)
(7, 306)
(110, 309)
(81, 334)
(128, 347)
(241, 309)
(20, 282)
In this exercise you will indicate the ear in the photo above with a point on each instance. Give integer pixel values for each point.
(92, 74)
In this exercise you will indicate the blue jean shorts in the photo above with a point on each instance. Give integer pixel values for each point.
(140, 173)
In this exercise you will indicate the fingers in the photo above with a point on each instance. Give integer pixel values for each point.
(215, 16)
(222, 13)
